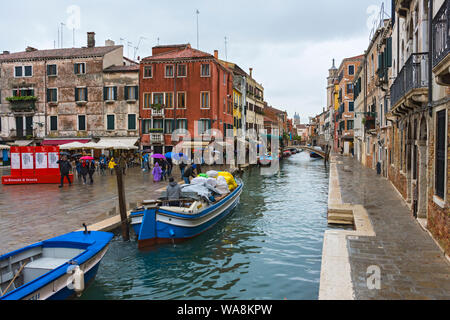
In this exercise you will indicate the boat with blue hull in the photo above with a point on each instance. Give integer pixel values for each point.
(157, 222)
(54, 269)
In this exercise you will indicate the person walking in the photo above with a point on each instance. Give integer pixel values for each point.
(157, 172)
(64, 168)
(169, 167)
(78, 168)
(102, 164)
(112, 165)
(163, 170)
(182, 168)
(123, 164)
(188, 173)
(84, 170)
(173, 193)
(91, 171)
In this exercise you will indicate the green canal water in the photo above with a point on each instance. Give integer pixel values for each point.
(270, 247)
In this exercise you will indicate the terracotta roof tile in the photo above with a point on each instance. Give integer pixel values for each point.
(58, 53)
(186, 53)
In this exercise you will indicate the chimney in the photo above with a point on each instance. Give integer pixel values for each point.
(91, 39)
(5, 52)
(30, 49)
(216, 54)
(109, 43)
(251, 72)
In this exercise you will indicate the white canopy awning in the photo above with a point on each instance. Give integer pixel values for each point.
(72, 146)
(117, 143)
(22, 143)
(4, 147)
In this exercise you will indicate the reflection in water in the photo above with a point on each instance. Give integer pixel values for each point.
(269, 248)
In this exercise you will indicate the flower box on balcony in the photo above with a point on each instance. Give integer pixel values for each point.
(22, 103)
(156, 130)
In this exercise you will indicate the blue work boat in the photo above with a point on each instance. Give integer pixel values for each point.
(156, 222)
(265, 160)
(57, 269)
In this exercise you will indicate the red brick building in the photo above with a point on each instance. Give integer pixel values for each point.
(183, 88)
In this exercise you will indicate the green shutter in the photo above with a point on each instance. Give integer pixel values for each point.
(86, 93)
(125, 93)
(389, 52)
(105, 93)
(115, 93)
(136, 92)
(77, 98)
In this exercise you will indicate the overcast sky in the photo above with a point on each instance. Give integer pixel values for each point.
(289, 43)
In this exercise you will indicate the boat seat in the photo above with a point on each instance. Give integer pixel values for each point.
(41, 266)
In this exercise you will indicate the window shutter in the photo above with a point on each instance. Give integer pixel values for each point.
(77, 98)
(86, 94)
(115, 93)
(48, 69)
(105, 93)
(136, 92)
(48, 94)
(125, 93)
(389, 52)
(75, 68)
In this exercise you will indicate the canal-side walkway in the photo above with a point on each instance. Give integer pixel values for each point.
(32, 213)
(389, 255)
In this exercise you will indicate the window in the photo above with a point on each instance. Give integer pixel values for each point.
(439, 175)
(148, 72)
(224, 79)
(131, 122)
(146, 125)
(350, 124)
(205, 70)
(169, 71)
(110, 93)
(147, 100)
(182, 124)
(81, 94)
(204, 100)
(204, 125)
(79, 68)
(23, 71)
(181, 100)
(53, 123)
(169, 126)
(182, 70)
(351, 70)
(131, 93)
(23, 92)
(351, 106)
(169, 100)
(52, 70)
(52, 95)
(158, 123)
(81, 123)
(110, 122)
(349, 88)
(158, 98)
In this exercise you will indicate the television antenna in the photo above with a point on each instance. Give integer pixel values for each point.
(137, 47)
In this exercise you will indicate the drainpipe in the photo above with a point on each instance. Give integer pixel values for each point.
(430, 58)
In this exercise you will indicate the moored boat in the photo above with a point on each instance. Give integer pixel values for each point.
(157, 222)
(315, 155)
(56, 269)
(265, 160)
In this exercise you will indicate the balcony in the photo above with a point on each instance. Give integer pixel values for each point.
(156, 138)
(22, 104)
(441, 48)
(410, 88)
(157, 112)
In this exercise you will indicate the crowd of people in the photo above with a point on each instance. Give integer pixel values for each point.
(161, 170)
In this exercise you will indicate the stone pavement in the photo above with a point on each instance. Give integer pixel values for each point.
(31, 213)
(412, 265)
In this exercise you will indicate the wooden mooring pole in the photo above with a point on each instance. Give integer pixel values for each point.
(122, 203)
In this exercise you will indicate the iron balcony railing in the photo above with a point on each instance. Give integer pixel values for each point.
(441, 33)
(414, 75)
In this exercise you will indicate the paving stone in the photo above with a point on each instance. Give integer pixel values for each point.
(411, 264)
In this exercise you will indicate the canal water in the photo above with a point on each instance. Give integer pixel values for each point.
(270, 247)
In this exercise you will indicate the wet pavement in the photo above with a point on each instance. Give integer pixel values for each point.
(32, 213)
(411, 264)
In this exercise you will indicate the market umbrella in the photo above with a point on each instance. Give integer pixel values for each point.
(64, 153)
(179, 156)
(158, 156)
(87, 158)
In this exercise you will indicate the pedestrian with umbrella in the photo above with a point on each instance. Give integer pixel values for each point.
(64, 168)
